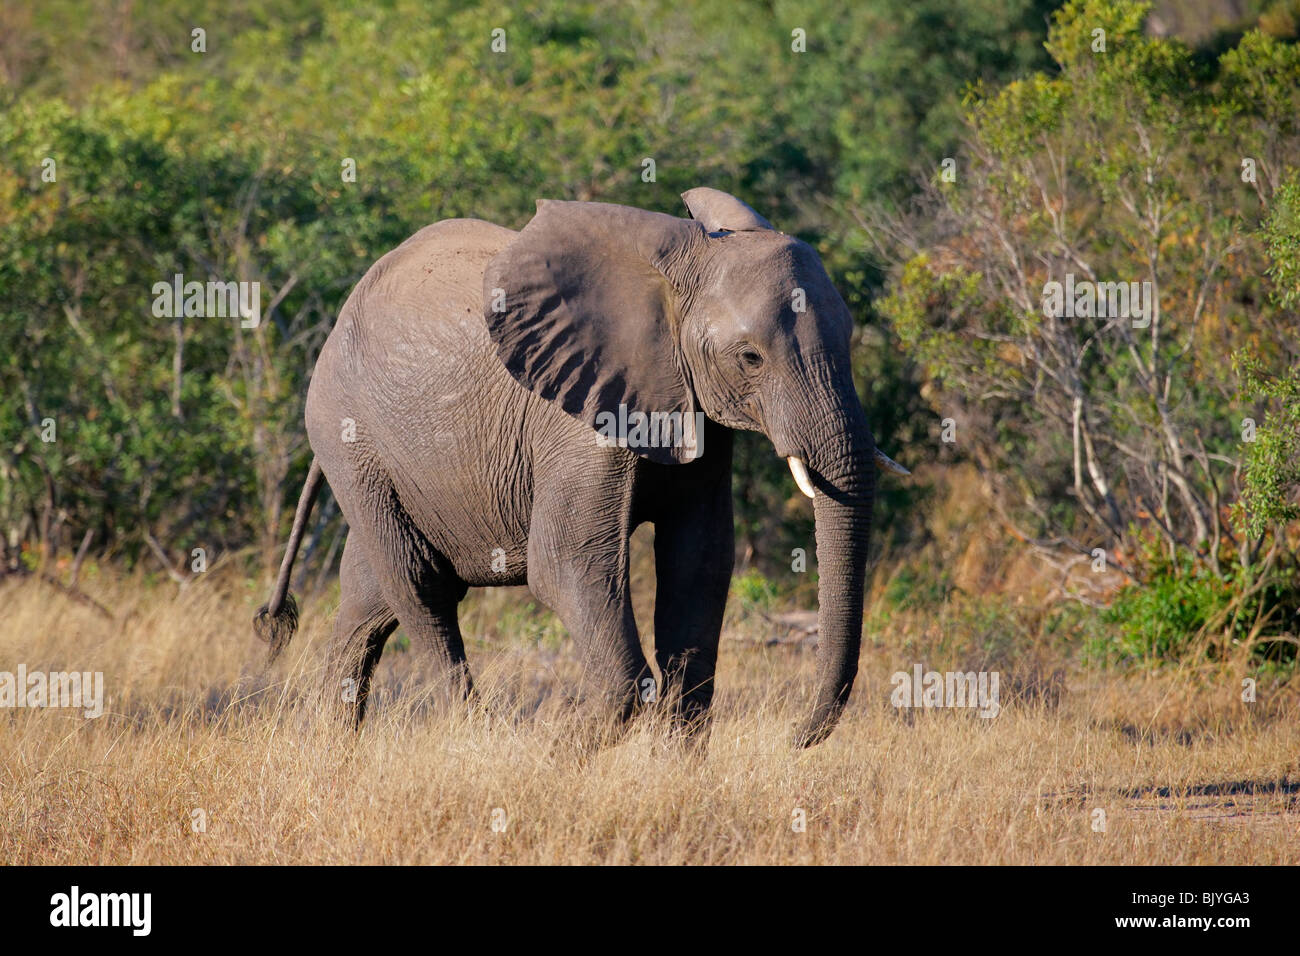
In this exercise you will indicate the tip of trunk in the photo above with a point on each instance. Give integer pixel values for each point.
(815, 731)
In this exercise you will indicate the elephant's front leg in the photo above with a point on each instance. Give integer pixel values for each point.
(694, 554)
(578, 566)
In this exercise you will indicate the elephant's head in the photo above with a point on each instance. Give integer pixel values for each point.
(596, 306)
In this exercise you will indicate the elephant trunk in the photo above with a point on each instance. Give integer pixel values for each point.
(844, 476)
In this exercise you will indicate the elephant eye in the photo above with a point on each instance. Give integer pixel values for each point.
(750, 358)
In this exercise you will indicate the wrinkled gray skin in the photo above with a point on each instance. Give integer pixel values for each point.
(474, 432)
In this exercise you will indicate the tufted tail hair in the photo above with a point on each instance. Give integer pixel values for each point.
(276, 621)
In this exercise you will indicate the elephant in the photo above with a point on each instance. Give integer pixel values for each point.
(469, 410)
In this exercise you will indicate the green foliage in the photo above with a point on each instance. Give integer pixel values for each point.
(1183, 612)
(139, 448)
(1157, 621)
(1273, 461)
(527, 623)
(1282, 239)
(754, 593)
(913, 589)
(227, 164)
(1125, 166)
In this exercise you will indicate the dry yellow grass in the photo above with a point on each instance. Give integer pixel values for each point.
(1184, 771)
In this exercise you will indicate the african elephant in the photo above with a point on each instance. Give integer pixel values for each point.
(466, 411)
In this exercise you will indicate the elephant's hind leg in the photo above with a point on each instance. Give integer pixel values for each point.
(422, 588)
(426, 607)
(364, 623)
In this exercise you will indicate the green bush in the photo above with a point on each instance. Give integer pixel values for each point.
(912, 589)
(1186, 613)
(531, 625)
(754, 592)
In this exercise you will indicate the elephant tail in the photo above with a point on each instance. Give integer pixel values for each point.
(276, 621)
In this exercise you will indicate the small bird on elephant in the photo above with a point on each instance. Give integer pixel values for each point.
(499, 407)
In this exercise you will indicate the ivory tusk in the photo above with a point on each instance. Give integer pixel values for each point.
(888, 464)
(800, 472)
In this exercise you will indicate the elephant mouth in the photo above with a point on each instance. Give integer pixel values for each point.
(802, 478)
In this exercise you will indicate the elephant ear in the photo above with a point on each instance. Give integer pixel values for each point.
(717, 211)
(582, 314)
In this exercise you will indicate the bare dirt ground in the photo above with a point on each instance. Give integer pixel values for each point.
(203, 757)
